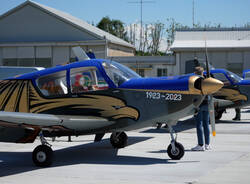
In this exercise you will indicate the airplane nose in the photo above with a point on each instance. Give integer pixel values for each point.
(210, 85)
(207, 86)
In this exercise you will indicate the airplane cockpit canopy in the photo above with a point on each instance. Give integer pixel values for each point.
(118, 73)
(227, 77)
(80, 77)
(234, 77)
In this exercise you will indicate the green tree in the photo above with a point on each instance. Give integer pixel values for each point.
(172, 26)
(114, 27)
(156, 33)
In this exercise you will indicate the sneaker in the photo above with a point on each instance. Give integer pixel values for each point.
(207, 147)
(198, 148)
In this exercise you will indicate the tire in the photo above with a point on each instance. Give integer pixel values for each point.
(119, 140)
(42, 156)
(178, 154)
(218, 114)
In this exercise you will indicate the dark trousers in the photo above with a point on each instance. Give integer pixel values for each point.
(202, 125)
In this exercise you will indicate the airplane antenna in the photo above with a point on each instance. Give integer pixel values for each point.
(141, 2)
(193, 13)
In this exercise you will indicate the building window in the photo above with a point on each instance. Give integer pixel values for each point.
(26, 62)
(39, 62)
(10, 62)
(162, 72)
(43, 62)
(141, 72)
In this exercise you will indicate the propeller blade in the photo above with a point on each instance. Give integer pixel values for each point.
(207, 89)
(207, 65)
(211, 114)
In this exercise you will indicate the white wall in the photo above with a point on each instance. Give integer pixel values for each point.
(99, 50)
(235, 57)
(149, 73)
(246, 64)
(43, 52)
(185, 56)
(25, 52)
(176, 68)
(9, 52)
(60, 55)
(219, 59)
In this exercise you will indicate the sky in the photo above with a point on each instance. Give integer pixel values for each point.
(228, 13)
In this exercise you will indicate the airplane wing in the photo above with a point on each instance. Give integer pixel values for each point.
(29, 118)
(24, 127)
(220, 103)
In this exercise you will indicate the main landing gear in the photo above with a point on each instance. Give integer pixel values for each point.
(218, 114)
(119, 140)
(175, 149)
(43, 154)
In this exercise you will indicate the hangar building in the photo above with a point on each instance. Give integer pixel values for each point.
(148, 66)
(32, 34)
(227, 47)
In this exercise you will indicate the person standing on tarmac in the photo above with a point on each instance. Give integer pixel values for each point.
(202, 121)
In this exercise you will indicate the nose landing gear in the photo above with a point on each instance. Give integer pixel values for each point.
(175, 149)
(175, 153)
(42, 155)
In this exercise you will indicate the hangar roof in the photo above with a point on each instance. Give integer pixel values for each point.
(220, 38)
(76, 22)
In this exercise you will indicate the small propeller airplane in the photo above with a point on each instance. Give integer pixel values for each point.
(95, 96)
(246, 74)
(234, 94)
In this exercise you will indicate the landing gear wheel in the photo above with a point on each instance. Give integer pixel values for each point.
(218, 114)
(119, 140)
(42, 156)
(176, 154)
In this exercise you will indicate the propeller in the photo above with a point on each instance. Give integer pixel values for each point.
(210, 97)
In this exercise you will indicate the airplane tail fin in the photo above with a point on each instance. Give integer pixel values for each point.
(80, 54)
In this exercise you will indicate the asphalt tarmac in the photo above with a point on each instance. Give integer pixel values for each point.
(144, 160)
